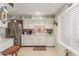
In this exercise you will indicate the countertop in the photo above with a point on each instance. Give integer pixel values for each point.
(5, 43)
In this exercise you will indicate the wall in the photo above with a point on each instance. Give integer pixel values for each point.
(62, 9)
(61, 50)
(59, 46)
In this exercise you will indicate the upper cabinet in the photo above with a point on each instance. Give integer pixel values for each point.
(3, 15)
(32, 23)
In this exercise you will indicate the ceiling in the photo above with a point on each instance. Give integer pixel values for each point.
(35, 8)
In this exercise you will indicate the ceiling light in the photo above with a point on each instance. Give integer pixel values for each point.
(37, 13)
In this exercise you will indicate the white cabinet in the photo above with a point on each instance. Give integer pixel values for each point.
(49, 26)
(41, 39)
(37, 40)
(25, 40)
(50, 41)
(5, 43)
(31, 23)
(32, 40)
(26, 23)
(3, 25)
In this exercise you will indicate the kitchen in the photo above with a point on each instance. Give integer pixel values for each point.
(38, 28)
(28, 31)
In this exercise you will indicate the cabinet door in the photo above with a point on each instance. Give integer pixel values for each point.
(6, 44)
(24, 41)
(50, 41)
(35, 42)
(26, 23)
(42, 41)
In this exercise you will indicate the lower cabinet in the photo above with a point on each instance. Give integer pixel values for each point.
(5, 43)
(50, 41)
(32, 40)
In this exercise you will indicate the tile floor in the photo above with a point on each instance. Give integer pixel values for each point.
(28, 51)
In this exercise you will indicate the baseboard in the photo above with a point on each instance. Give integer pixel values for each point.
(33, 46)
(38, 46)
